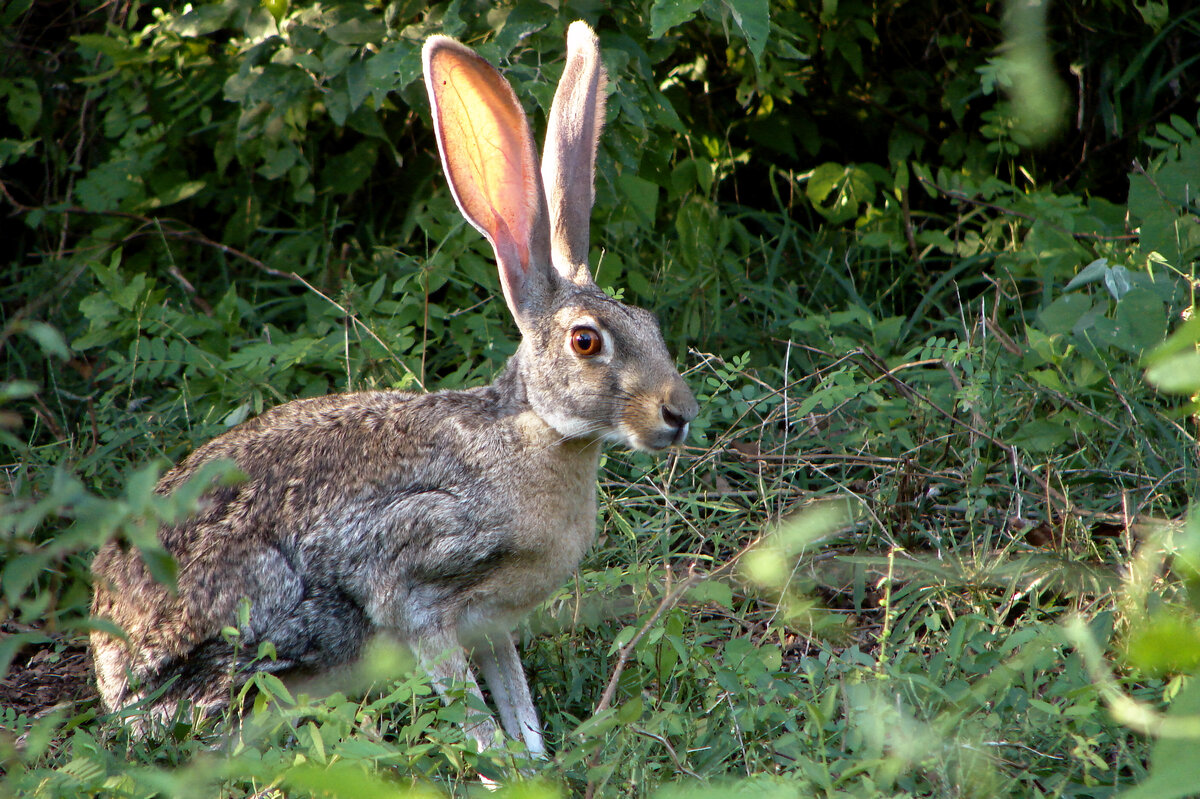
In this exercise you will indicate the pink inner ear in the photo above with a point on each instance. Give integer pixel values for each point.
(511, 218)
(513, 262)
(511, 247)
(487, 150)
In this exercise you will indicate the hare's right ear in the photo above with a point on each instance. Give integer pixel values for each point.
(569, 158)
(492, 167)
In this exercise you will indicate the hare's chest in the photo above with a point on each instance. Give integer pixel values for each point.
(556, 526)
(551, 522)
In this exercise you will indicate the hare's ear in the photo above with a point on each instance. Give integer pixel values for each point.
(491, 164)
(569, 157)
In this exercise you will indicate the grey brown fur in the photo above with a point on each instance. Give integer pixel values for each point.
(435, 519)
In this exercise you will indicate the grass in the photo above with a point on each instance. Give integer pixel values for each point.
(929, 537)
(805, 600)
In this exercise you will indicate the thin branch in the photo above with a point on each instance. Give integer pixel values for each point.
(153, 226)
(670, 599)
(877, 363)
(960, 196)
(670, 751)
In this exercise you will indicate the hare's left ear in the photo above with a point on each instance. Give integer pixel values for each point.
(569, 157)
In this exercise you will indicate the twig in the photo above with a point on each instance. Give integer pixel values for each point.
(187, 286)
(909, 236)
(960, 196)
(669, 600)
(877, 363)
(153, 226)
(670, 751)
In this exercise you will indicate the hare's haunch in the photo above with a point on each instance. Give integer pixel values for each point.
(435, 519)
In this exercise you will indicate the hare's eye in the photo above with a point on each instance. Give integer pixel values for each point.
(586, 341)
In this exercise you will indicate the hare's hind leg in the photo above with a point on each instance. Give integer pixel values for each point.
(443, 657)
(496, 657)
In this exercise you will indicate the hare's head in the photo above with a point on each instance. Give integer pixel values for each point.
(591, 367)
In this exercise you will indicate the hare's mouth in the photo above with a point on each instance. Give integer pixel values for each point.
(667, 431)
(655, 440)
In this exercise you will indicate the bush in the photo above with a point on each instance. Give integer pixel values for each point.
(912, 258)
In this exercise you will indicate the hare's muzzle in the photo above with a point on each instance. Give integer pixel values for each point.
(678, 409)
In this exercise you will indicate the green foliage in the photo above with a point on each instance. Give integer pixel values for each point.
(900, 275)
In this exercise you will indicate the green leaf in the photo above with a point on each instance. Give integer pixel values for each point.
(237, 415)
(139, 488)
(523, 20)
(208, 18)
(631, 711)
(17, 389)
(341, 780)
(259, 23)
(12, 150)
(274, 687)
(162, 566)
(24, 103)
(356, 84)
(1063, 314)
(1141, 319)
(128, 295)
(1183, 339)
(49, 338)
(1168, 641)
(176, 193)
(753, 17)
(622, 638)
(118, 51)
(278, 162)
(823, 180)
(836, 191)
(106, 186)
(1092, 273)
(101, 312)
(1174, 767)
(357, 31)
(11, 643)
(346, 173)
(642, 196)
(338, 104)
(1116, 280)
(1176, 374)
(713, 591)
(665, 113)
(395, 66)
(666, 14)
(1041, 435)
(12, 10)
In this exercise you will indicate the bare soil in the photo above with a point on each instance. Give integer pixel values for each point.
(52, 675)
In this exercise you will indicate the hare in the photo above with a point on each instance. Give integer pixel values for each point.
(436, 519)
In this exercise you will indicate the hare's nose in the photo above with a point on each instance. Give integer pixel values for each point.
(680, 406)
(672, 418)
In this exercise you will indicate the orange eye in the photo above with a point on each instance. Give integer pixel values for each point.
(586, 341)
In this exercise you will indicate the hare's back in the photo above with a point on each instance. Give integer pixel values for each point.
(339, 493)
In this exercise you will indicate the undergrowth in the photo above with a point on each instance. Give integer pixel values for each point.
(930, 535)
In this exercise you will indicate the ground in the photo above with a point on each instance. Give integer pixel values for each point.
(47, 676)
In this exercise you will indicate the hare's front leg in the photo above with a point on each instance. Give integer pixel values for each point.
(496, 657)
(443, 657)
